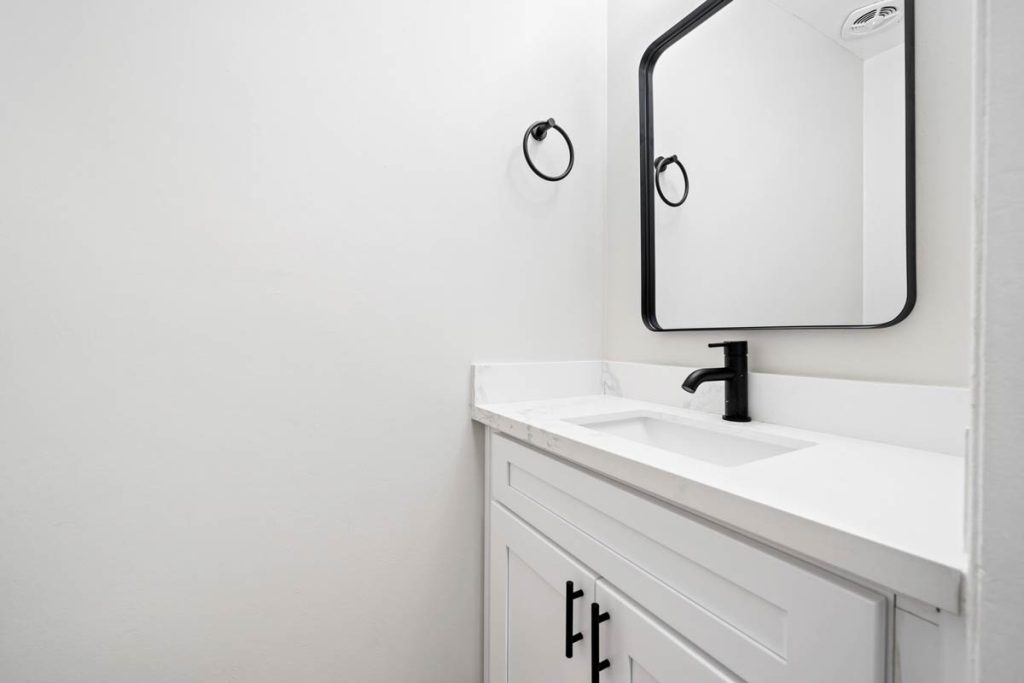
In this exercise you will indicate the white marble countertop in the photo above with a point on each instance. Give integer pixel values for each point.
(885, 514)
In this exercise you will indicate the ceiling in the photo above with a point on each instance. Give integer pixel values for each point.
(827, 16)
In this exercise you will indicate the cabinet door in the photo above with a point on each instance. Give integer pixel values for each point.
(639, 649)
(529, 611)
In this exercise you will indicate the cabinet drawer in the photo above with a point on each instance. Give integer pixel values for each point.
(764, 616)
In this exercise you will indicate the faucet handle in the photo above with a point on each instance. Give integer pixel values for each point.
(732, 348)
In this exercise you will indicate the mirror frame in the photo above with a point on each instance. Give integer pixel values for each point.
(647, 197)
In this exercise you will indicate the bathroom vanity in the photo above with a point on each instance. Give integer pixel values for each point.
(632, 535)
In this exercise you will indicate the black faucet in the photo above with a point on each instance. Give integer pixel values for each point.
(734, 374)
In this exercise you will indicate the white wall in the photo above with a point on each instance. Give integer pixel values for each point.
(996, 596)
(248, 251)
(885, 186)
(932, 346)
(759, 173)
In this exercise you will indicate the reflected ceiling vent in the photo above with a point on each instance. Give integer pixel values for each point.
(872, 18)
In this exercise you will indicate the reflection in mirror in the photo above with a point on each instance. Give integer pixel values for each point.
(790, 119)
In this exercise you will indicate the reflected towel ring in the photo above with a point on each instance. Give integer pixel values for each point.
(539, 131)
(660, 164)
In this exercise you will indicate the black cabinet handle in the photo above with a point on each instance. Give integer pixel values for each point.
(571, 636)
(597, 665)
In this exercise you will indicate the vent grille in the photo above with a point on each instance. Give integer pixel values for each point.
(872, 18)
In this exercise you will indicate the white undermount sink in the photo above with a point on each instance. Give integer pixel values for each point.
(720, 446)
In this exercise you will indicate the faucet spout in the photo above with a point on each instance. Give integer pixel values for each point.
(698, 377)
(734, 374)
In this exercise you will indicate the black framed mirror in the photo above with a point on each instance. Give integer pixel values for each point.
(777, 167)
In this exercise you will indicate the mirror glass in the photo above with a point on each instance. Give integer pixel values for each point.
(790, 118)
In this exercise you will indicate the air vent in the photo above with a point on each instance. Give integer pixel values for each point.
(872, 19)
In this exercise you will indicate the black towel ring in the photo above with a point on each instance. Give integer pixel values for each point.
(539, 131)
(660, 164)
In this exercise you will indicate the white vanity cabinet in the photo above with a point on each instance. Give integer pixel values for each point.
(686, 600)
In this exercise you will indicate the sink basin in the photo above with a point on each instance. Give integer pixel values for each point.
(717, 445)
